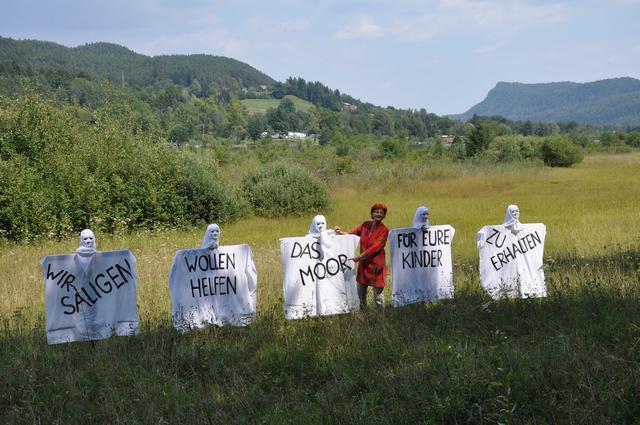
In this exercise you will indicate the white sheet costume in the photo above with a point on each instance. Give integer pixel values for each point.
(90, 295)
(421, 263)
(213, 285)
(511, 257)
(319, 278)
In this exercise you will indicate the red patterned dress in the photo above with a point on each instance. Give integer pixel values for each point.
(371, 269)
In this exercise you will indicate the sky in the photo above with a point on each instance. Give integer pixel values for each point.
(441, 55)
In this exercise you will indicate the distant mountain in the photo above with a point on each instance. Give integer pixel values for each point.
(116, 63)
(613, 101)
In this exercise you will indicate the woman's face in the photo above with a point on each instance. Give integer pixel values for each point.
(425, 216)
(377, 214)
(515, 212)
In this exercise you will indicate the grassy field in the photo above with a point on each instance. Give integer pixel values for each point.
(573, 357)
(261, 105)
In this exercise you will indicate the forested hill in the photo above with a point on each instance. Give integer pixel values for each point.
(606, 102)
(116, 63)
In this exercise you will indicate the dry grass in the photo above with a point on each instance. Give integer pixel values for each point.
(568, 359)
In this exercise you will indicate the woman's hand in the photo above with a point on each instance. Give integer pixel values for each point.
(340, 231)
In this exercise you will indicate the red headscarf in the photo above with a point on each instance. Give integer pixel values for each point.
(379, 206)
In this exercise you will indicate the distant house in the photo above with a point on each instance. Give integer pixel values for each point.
(295, 135)
(447, 139)
(349, 106)
(262, 87)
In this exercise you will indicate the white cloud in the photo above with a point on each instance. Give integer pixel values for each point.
(363, 28)
(489, 48)
(213, 41)
(418, 29)
(463, 16)
(293, 25)
(390, 84)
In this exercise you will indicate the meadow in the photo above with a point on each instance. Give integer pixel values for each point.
(573, 357)
(262, 105)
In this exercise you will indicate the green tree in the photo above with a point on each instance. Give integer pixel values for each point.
(256, 125)
(287, 106)
(179, 134)
(479, 138)
(237, 119)
(383, 123)
(311, 122)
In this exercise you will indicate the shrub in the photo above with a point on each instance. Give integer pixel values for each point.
(391, 148)
(344, 165)
(633, 139)
(514, 148)
(280, 189)
(559, 152)
(59, 175)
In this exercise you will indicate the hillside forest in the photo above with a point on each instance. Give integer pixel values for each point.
(100, 136)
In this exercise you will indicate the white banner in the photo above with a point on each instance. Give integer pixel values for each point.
(216, 287)
(91, 303)
(511, 265)
(319, 281)
(421, 264)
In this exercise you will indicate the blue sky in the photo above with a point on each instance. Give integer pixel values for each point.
(441, 55)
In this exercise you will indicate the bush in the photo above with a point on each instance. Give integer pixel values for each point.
(280, 189)
(514, 148)
(391, 148)
(59, 175)
(344, 165)
(559, 152)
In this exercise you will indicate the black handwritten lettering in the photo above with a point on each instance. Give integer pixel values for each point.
(210, 262)
(114, 276)
(494, 238)
(63, 278)
(322, 270)
(123, 270)
(422, 259)
(311, 250)
(407, 240)
(106, 283)
(517, 249)
(93, 290)
(71, 307)
(436, 237)
(212, 286)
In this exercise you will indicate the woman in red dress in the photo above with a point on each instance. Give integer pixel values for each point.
(371, 261)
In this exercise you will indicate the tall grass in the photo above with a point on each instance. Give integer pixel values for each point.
(570, 358)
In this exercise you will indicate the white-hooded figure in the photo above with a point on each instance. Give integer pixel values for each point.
(511, 257)
(511, 222)
(317, 226)
(86, 250)
(211, 237)
(318, 229)
(421, 219)
(86, 304)
(512, 219)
